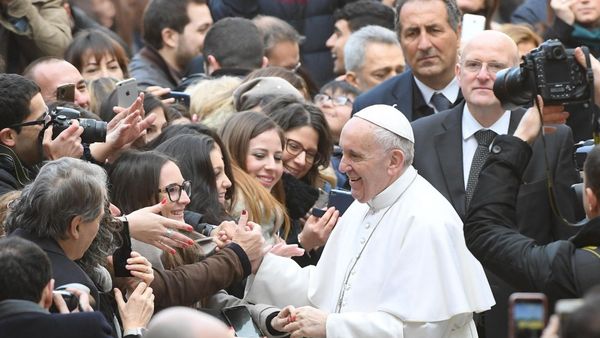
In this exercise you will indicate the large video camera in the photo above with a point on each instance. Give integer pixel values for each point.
(550, 71)
(93, 131)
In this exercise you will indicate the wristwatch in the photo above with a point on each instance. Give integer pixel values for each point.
(138, 331)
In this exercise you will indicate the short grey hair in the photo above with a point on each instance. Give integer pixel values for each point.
(357, 44)
(63, 189)
(390, 141)
(274, 30)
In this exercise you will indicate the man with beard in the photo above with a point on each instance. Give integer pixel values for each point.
(174, 33)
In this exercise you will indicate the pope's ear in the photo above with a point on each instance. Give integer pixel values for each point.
(396, 160)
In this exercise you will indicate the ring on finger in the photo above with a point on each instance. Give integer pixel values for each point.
(168, 233)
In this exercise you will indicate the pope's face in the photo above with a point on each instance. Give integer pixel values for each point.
(363, 160)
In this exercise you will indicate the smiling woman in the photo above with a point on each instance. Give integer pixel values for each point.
(95, 55)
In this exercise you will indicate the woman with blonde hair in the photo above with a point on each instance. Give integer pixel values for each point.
(212, 100)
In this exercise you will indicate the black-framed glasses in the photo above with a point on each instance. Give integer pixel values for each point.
(43, 121)
(173, 190)
(336, 100)
(295, 149)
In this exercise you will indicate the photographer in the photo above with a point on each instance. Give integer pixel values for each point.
(561, 269)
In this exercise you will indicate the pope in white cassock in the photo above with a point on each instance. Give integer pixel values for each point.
(396, 264)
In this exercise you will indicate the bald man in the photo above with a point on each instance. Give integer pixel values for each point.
(449, 155)
(183, 322)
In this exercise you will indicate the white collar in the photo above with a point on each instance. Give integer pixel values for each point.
(390, 194)
(470, 125)
(450, 91)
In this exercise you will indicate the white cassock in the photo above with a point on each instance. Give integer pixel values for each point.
(396, 266)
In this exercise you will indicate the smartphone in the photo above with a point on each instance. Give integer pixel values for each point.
(240, 319)
(181, 98)
(471, 25)
(122, 253)
(564, 308)
(127, 92)
(527, 314)
(340, 199)
(66, 92)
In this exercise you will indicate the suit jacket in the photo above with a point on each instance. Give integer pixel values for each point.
(402, 93)
(438, 158)
(25, 319)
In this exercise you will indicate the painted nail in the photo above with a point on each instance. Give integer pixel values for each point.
(244, 212)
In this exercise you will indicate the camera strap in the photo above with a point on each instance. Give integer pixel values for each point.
(595, 133)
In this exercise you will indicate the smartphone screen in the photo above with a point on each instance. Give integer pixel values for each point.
(528, 315)
(127, 92)
(66, 92)
(240, 319)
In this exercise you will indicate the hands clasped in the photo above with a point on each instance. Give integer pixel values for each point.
(304, 321)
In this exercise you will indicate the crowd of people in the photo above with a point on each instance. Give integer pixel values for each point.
(167, 165)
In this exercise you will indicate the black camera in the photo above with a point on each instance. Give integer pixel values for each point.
(71, 300)
(550, 71)
(93, 131)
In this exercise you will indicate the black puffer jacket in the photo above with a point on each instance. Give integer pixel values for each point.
(311, 18)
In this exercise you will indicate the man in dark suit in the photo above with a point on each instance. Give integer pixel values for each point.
(26, 295)
(451, 146)
(429, 34)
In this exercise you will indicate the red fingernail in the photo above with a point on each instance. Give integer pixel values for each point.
(173, 252)
(190, 229)
(243, 212)
(190, 242)
(164, 201)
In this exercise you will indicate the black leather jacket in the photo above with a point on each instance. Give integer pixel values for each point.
(560, 269)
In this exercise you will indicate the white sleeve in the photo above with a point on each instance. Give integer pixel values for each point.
(279, 281)
(383, 324)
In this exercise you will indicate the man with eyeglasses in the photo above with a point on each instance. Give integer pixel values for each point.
(451, 147)
(23, 140)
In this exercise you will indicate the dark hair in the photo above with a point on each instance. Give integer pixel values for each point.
(364, 13)
(235, 43)
(591, 168)
(161, 14)
(192, 153)
(26, 269)
(134, 178)
(98, 44)
(454, 14)
(291, 115)
(16, 93)
(152, 102)
(343, 86)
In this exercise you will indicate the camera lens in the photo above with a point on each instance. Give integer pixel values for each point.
(512, 88)
(93, 131)
(558, 53)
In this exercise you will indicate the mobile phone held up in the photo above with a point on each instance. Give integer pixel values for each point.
(127, 92)
(471, 25)
(528, 314)
(122, 253)
(181, 98)
(66, 92)
(340, 199)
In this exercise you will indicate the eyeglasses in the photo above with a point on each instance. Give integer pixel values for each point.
(295, 148)
(173, 190)
(43, 121)
(474, 66)
(336, 100)
(295, 67)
